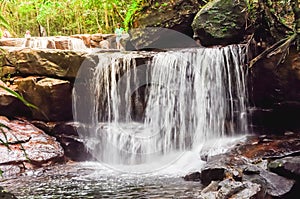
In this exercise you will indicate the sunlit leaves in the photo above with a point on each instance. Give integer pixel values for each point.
(66, 17)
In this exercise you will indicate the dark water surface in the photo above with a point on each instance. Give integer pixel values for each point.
(92, 180)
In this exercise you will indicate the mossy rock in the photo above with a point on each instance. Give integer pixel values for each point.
(221, 22)
(176, 15)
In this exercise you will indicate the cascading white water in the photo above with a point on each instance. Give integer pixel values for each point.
(193, 96)
(66, 43)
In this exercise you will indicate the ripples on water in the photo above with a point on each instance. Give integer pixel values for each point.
(91, 180)
(94, 180)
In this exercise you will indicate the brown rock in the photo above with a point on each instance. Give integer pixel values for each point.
(66, 134)
(51, 96)
(62, 43)
(29, 147)
(94, 44)
(256, 148)
(16, 42)
(7, 70)
(97, 37)
(86, 38)
(10, 105)
(47, 62)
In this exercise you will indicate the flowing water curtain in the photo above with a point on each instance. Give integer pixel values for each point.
(194, 95)
(200, 95)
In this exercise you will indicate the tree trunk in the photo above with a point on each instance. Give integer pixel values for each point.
(106, 16)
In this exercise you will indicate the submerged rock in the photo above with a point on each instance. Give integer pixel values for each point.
(26, 147)
(221, 22)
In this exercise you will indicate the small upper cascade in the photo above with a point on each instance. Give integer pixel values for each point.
(63, 43)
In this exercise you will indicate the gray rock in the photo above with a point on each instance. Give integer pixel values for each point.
(251, 190)
(274, 184)
(288, 167)
(175, 15)
(221, 22)
(195, 176)
(229, 187)
(212, 187)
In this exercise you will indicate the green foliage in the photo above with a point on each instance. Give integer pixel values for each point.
(66, 17)
(133, 8)
(19, 97)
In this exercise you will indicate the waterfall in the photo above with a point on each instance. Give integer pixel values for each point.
(188, 97)
(63, 43)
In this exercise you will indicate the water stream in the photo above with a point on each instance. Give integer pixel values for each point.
(184, 99)
(67, 43)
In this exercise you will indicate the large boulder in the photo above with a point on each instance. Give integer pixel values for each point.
(175, 15)
(51, 96)
(221, 22)
(47, 62)
(26, 147)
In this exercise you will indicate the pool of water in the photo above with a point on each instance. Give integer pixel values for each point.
(160, 178)
(93, 180)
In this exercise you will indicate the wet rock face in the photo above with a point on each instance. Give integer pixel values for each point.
(29, 147)
(221, 22)
(66, 134)
(69, 139)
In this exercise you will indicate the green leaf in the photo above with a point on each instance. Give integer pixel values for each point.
(17, 95)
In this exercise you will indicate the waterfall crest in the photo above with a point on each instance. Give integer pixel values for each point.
(188, 97)
(64, 43)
